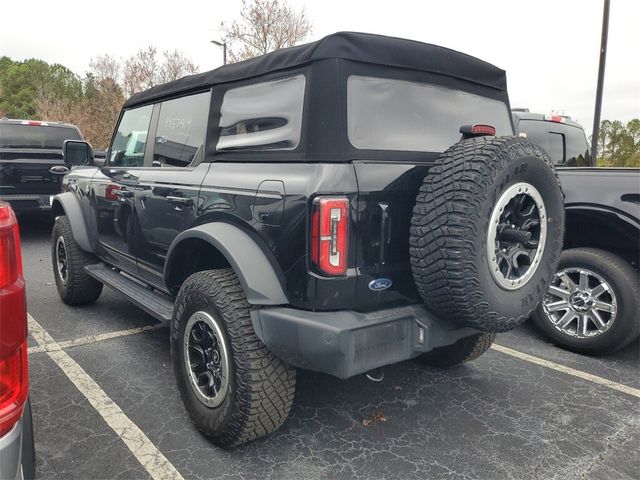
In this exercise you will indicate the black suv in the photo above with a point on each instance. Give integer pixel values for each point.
(31, 165)
(336, 206)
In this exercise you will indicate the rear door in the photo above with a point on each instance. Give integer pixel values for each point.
(166, 199)
(31, 157)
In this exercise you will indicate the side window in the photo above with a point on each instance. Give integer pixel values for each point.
(556, 148)
(182, 126)
(130, 140)
(264, 116)
(577, 148)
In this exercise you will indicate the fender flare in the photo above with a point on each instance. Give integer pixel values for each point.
(255, 272)
(70, 205)
(590, 208)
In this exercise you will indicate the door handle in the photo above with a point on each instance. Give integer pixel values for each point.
(124, 193)
(179, 201)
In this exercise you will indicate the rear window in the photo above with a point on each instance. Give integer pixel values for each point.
(13, 135)
(565, 144)
(387, 114)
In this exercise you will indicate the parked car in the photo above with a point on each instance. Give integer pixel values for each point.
(592, 305)
(31, 165)
(17, 452)
(336, 206)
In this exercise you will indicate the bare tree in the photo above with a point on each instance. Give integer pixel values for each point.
(104, 67)
(175, 65)
(264, 26)
(143, 70)
(140, 71)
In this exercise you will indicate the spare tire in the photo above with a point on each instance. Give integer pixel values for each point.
(486, 232)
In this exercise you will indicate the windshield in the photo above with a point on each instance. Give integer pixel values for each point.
(13, 135)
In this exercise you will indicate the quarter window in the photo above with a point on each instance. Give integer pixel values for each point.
(130, 140)
(264, 116)
(388, 114)
(181, 131)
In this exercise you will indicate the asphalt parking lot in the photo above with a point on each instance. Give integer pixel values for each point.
(105, 405)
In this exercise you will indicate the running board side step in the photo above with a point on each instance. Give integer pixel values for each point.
(151, 301)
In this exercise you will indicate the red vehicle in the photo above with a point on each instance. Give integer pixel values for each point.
(17, 452)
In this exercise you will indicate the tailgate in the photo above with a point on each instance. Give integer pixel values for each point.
(387, 192)
(29, 171)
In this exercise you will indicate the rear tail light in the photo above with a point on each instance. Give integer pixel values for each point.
(13, 323)
(329, 235)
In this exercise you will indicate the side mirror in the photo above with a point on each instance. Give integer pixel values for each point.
(76, 152)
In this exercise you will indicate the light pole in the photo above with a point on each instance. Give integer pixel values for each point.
(224, 50)
(603, 59)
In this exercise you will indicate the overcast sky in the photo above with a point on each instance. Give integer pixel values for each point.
(549, 48)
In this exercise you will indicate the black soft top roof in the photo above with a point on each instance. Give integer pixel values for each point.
(358, 47)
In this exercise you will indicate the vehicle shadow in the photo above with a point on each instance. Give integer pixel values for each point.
(35, 226)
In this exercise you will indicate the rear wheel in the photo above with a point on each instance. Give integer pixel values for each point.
(592, 304)
(464, 350)
(486, 232)
(234, 389)
(74, 285)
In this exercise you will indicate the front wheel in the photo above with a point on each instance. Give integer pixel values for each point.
(592, 304)
(75, 286)
(234, 389)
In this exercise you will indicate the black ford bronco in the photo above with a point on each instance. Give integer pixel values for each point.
(336, 206)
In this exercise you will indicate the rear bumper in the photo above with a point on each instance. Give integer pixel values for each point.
(346, 343)
(28, 202)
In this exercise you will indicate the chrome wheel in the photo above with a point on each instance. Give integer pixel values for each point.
(61, 260)
(516, 236)
(580, 303)
(206, 358)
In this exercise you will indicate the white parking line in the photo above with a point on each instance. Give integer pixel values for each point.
(568, 370)
(96, 338)
(141, 447)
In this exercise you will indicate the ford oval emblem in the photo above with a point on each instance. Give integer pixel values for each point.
(59, 170)
(380, 284)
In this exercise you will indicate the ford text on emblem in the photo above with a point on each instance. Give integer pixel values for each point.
(380, 284)
(59, 170)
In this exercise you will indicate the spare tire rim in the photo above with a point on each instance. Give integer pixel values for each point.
(516, 236)
(206, 358)
(580, 303)
(62, 262)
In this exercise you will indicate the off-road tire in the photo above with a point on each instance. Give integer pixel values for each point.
(80, 288)
(261, 386)
(624, 281)
(449, 228)
(463, 351)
